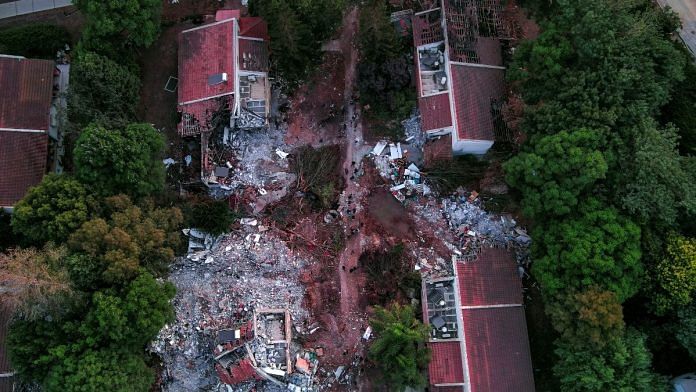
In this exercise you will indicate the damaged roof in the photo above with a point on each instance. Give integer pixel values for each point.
(475, 91)
(492, 353)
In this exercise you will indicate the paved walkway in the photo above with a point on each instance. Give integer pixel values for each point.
(22, 7)
(687, 13)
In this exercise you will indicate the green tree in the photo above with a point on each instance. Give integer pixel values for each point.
(297, 29)
(658, 188)
(126, 160)
(36, 41)
(399, 348)
(100, 369)
(686, 329)
(624, 364)
(101, 91)
(93, 341)
(681, 110)
(591, 316)
(212, 216)
(52, 210)
(111, 252)
(131, 319)
(598, 247)
(676, 274)
(556, 171)
(127, 23)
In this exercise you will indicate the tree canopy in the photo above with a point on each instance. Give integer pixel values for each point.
(622, 365)
(101, 91)
(297, 29)
(127, 24)
(111, 251)
(52, 210)
(556, 171)
(599, 247)
(399, 348)
(676, 274)
(125, 160)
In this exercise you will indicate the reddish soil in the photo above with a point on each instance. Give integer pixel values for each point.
(390, 215)
(316, 110)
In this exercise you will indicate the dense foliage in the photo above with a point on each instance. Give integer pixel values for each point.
(297, 29)
(37, 41)
(101, 91)
(386, 65)
(399, 349)
(52, 210)
(125, 160)
(212, 216)
(113, 250)
(94, 343)
(115, 27)
(605, 184)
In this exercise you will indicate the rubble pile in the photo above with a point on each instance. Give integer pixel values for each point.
(391, 160)
(220, 288)
(255, 158)
(473, 228)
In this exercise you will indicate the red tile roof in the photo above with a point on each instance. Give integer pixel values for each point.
(497, 346)
(447, 389)
(238, 373)
(23, 158)
(227, 14)
(475, 89)
(253, 27)
(25, 96)
(427, 28)
(435, 112)
(253, 55)
(446, 363)
(498, 350)
(436, 150)
(203, 52)
(491, 279)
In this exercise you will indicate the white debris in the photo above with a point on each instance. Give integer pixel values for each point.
(168, 162)
(379, 148)
(282, 154)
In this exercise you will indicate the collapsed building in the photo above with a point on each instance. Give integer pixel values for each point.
(223, 84)
(459, 72)
(260, 350)
(478, 332)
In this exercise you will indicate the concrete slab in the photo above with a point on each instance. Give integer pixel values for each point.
(43, 5)
(25, 7)
(8, 10)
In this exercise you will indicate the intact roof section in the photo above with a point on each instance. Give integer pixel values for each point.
(491, 279)
(206, 51)
(435, 112)
(253, 26)
(446, 363)
(498, 350)
(23, 159)
(25, 96)
(477, 92)
(253, 55)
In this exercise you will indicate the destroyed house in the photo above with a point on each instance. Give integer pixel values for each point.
(459, 72)
(478, 332)
(29, 124)
(223, 70)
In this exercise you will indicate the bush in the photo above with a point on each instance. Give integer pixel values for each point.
(212, 216)
(38, 41)
(317, 172)
(52, 210)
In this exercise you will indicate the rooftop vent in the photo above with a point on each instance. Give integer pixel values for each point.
(217, 79)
